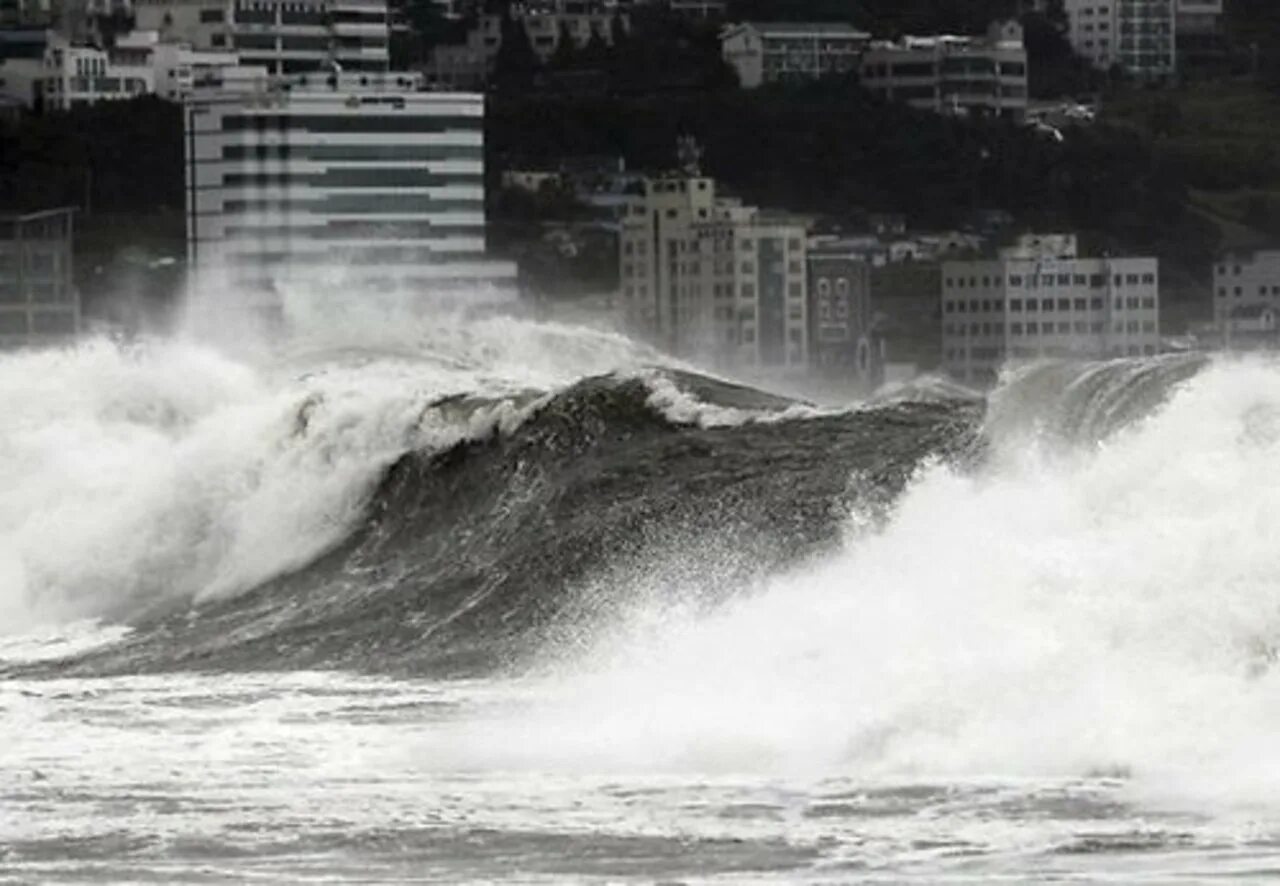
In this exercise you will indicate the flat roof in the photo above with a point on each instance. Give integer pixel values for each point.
(38, 214)
(838, 29)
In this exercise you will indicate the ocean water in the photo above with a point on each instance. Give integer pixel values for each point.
(501, 601)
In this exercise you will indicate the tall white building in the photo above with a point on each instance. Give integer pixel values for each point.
(953, 75)
(1137, 35)
(358, 178)
(1023, 308)
(710, 278)
(768, 52)
(284, 36)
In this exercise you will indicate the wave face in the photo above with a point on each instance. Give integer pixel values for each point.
(701, 570)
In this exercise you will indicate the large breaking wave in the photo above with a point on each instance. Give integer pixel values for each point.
(700, 570)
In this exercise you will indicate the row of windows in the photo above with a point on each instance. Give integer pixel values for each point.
(357, 204)
(352, 152)
(1238, 291)
(957, 355)
(344, 230)
(1061, 327)
(351, 178)
(1015, 305)
(1035, 281)
(351, 123)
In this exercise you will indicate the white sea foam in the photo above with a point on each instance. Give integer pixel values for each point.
(171, 470)
(1114, 608)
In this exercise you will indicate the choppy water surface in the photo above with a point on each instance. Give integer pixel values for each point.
(511, 602)
(315, 777)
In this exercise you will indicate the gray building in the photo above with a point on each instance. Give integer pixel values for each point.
(769, 52)
(38, 299)
(953, 75)
(843, 343)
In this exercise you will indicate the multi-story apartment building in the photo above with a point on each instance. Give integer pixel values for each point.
(768, 52)
(38, 300)
(1023, 308)
(468, 65)
(1137, 35)
(842, 339)
(284, 36)
(709, 278)
(68, 75)
(1243, 279)
(953, 75)
(359, 177)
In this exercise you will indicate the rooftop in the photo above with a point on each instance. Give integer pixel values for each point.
(804, 29)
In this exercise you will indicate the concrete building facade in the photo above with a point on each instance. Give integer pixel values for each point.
(953, 75)
(362, 176)
(284, 36)
(843, 343)
(1137, 35)
(1244, 279)
(38, 299)
(1023, 308)
(67, 76)
(769, 52)
(709, 278)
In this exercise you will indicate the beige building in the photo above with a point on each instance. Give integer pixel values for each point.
(38, 299)
(953, 75)
(709, 278)
(1014, 309)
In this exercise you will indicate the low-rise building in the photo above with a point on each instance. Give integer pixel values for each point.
(1251, 328)
(1243, 279)
(38, 299)
(283, 36)
(953, 75)
(1023, 308)
(708, 278)
(769, 52)
(67, 75)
